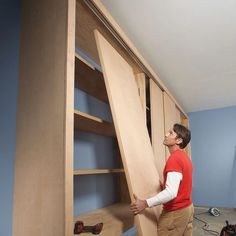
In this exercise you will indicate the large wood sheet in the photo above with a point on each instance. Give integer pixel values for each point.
(171, 114)
(134, 142)
(158, 126)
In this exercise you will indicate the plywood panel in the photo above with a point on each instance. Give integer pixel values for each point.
(135, 146)
(158, 129)
(185, 122)
(169, 114)
(169, 111)
(43, 194)
(177, 116)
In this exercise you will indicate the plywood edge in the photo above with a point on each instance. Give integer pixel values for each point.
(98, 171)
(69, 118)
(84, 61)
(158, 129)
(116, 26)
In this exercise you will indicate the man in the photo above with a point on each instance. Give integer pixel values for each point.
(177, 215)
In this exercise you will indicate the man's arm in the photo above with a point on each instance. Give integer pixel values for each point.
(166, 195)
(169, 193)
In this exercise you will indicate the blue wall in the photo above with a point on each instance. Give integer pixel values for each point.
(93, 151)
(213, 148)
(9, 58)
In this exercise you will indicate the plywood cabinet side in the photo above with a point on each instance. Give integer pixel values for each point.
(185, 122)
(170, 112)
(43, 163)
(169, 115)
(69, 82)
(173, 115)
(177, 115)
(157, 127)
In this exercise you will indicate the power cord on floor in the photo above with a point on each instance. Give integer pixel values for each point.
(206, 226)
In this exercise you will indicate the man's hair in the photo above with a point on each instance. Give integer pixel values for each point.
(183, 133)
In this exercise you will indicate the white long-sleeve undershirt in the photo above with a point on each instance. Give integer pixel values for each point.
(170, 192)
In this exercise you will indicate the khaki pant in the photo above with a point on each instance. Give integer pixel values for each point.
(176, 223)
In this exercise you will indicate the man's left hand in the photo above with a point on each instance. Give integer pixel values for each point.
(138, 205)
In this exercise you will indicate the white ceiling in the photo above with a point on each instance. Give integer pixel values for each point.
(191, 44)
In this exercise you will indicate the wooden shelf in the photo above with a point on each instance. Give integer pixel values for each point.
(89, 79)
(98, 171)
(89, 123)
(116, 219)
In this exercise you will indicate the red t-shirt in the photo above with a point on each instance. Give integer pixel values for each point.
(179, 162)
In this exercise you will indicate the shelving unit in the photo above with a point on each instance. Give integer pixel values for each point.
(116, 216)
(50, 70)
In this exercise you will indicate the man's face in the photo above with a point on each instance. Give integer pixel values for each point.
(170, 138)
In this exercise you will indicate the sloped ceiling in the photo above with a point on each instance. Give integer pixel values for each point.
(191, 44)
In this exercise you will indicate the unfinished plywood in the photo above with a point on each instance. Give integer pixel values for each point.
(134, 142)
(158, 129)
(170, 115)
(185, 122)
(169, 112)
(43, 185)
(177, 116)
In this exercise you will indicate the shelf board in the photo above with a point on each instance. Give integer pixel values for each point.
(116, 219)
(89, 123)
(98, 171)
(89, 79)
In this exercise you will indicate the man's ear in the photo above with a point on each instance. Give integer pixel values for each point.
(179, 141)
